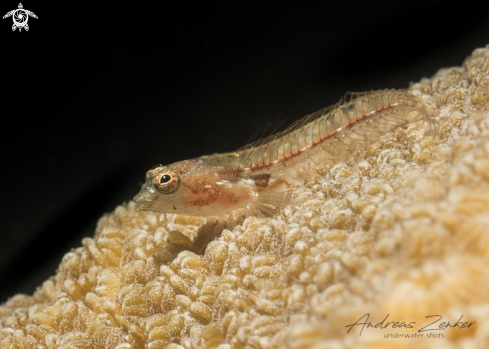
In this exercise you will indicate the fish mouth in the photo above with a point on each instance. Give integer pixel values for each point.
(142, 205)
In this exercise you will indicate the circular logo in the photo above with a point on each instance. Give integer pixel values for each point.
(20, 17)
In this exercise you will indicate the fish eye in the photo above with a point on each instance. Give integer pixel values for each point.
(165, 179)
(167, 182)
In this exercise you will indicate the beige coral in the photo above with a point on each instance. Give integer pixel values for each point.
(402, 229)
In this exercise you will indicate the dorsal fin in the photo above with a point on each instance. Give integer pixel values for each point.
(345, 101)
(295, 126)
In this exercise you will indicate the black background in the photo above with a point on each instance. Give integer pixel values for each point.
(93, 95)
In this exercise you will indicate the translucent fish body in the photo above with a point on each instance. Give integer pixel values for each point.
(259, 175)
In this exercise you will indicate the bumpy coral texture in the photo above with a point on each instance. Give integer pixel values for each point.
(401, 228)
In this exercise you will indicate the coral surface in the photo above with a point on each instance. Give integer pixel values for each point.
(400, 230)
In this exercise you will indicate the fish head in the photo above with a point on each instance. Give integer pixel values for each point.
(187, 187)
(163, 190)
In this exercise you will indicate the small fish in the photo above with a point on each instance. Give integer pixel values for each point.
(259, 176)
